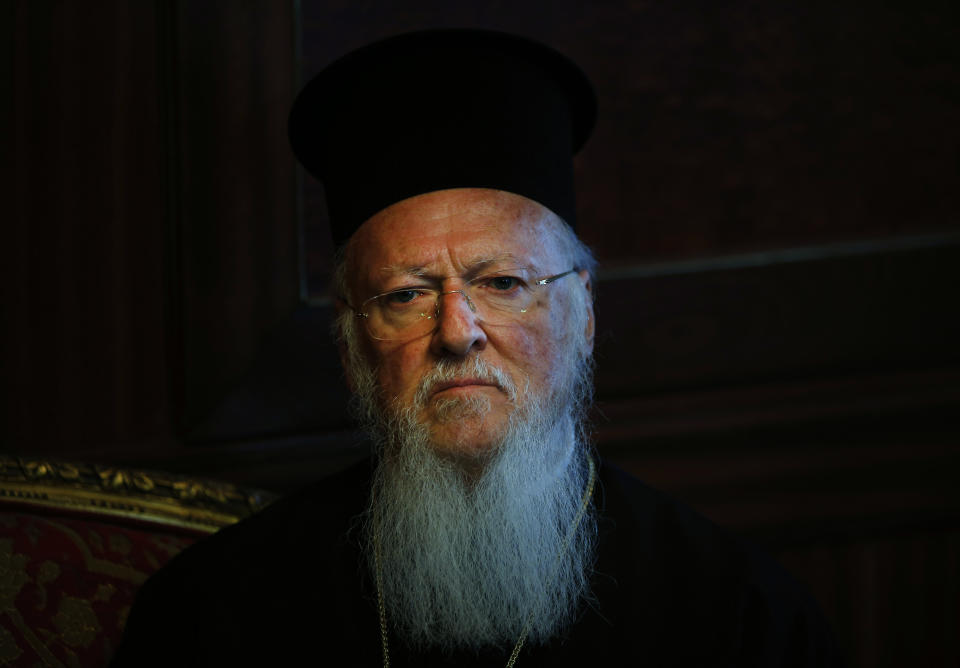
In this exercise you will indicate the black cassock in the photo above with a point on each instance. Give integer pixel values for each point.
(289, 586)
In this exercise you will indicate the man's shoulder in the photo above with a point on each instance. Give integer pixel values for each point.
(701, 580)
(670, 536)
(653, 521)
(257, 578)
(311, 520)
(335, 499)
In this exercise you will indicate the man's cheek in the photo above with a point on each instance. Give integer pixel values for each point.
(541, 367)
(398, 381)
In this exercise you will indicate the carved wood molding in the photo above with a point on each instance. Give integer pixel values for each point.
(151, 496)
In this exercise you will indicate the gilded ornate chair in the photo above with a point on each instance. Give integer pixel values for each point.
(77, 540)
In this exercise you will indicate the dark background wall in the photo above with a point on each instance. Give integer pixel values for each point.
(772, 191)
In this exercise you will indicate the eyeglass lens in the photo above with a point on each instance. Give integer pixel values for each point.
(502, 298)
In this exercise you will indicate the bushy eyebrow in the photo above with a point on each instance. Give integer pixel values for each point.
(403, 270)
(475, 266)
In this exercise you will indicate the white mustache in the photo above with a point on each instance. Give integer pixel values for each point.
(448, 370)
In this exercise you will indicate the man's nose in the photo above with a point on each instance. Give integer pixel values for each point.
(458, 325)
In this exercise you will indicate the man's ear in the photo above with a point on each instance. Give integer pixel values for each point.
(588, 299)
(341, 307)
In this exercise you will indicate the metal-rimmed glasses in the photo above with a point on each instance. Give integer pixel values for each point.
(498, 298)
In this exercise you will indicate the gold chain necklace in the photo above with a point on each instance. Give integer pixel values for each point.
(382, 610)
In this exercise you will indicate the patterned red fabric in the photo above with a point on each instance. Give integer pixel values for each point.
(67, 584)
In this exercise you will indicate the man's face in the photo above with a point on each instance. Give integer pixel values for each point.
(440, 240)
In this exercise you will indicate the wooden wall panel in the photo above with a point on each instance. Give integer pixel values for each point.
(892, 597)
(237, 268)
(153, 213)
(85, 364)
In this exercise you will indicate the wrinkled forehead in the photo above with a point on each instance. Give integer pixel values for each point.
(449, 232)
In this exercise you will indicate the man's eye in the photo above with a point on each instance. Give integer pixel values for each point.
(503, 283)
(401, 297)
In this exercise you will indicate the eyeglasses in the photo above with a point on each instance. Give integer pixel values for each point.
(500, 298)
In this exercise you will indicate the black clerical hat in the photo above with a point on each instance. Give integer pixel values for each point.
(442, 109)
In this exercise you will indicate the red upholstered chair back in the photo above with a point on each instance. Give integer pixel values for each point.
(76, 541)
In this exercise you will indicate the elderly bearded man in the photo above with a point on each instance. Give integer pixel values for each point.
(484, 532)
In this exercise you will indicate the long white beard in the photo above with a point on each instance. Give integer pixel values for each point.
(467, 563)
